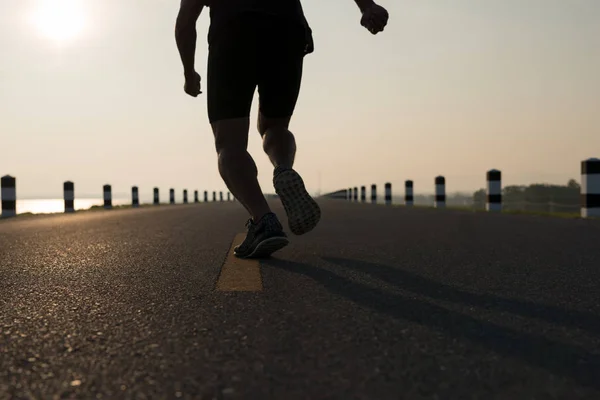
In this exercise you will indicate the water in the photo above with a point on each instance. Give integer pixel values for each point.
(47, 206)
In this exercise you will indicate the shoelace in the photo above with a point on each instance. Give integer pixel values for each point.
(269, 222)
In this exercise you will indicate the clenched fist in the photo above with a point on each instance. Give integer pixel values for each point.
(374, 18)
(192, 84)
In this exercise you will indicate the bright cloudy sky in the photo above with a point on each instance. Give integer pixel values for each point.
(91, 91)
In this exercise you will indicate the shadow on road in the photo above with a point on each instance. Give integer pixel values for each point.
(558, 358)
(418, 284)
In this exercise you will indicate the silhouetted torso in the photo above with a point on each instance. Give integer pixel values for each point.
(224, 12)
(226, 9)
(280, 17)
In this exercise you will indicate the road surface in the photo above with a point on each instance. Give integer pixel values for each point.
(377, 303)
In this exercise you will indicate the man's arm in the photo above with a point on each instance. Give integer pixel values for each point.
(364, 4)
(185, 33)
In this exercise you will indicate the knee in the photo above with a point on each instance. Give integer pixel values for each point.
(267, 128)
(231, 136)
(223, 146)
(228, 150)
(230, 153)
(266, 124)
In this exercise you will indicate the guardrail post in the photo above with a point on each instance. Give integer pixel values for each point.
(8, 192)
(107, 197)
(590, 188)
(494, 190)
(388, 193)
(440, 192)
(69, 195)
(409, 195)
(135, 198)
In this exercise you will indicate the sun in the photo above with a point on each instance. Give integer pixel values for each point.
(59, 20)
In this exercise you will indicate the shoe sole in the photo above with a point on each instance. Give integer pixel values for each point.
(267, 247)
(302, 210)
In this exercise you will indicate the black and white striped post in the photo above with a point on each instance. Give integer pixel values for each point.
(8, 193)
(440, 192)
(228, 196)
(196, 199)
(206, 196)
(156, 197)
(107, 197)
(185, 198)
(220, 196)
(214, 196)
(494, 190)
(409, 194)
(172, 196)
(69, 195)
(388, 193)
(355, 193)
(374, 194)
(590, 188)
(363, 194)
(135, 197)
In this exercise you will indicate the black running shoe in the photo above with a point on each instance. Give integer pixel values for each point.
(263, 238)
(302, 210)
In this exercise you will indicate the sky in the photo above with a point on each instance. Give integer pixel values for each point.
(92, 91)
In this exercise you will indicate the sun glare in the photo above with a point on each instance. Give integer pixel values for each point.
(59, 20)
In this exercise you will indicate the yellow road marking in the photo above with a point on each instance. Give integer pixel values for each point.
(239, 275)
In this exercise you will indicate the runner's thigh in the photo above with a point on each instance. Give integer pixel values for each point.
(231, 73)
(280, 66)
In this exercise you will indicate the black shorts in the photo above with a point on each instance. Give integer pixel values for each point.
(249, 52)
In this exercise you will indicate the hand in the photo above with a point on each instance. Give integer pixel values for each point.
(374, 18)
(192, 84)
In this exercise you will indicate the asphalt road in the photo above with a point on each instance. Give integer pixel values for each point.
(376, 303)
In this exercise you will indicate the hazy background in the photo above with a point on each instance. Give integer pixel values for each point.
(450, 87)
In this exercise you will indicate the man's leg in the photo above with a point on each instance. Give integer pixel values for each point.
(236, 166)
(238, 170)
(231, 84)
(280, 76)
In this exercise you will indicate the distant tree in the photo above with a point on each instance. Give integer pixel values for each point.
(573, 184)
(536, 197)
(479, 198)
(514, 190)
